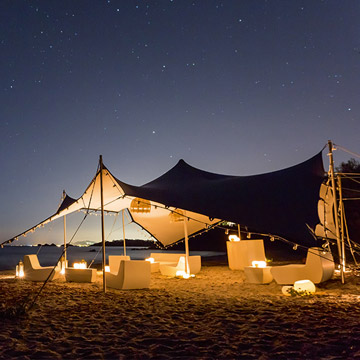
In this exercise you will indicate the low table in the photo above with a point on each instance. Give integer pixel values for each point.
(80, 275)
(258, 275)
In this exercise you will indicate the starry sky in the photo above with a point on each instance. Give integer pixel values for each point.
(233, 87)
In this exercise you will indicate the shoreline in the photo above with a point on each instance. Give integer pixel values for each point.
(214, 315)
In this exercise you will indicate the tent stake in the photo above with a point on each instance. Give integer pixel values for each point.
(102, 224)
(331, 168)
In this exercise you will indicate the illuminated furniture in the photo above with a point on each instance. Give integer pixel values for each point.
(132, 274)
(242, 253)
(166, 258)
(171, 270)
(35, 272)
(114, 262)
(258, 275)
(319, 267)
(80, 275)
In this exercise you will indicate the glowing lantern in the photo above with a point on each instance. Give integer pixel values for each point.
(63, 265)
(234, 238)
(20, 270)
(304, 285)
(259, 264)
(150, 259)
(139, 205)
(107, 268)
(80, 265)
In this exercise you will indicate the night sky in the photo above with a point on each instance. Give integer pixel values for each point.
(233, 87)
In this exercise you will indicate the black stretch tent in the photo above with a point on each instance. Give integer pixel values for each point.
(282, 203)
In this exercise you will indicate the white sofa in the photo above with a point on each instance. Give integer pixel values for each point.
(171, 269)
(35, 272)
(318, 268)
(166, 258)
(132, 274)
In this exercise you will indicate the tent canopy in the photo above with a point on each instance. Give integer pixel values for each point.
(281, 203)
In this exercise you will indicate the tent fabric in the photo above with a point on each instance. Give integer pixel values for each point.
(280, 203)
(158, 222)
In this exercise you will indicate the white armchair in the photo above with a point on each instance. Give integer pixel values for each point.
(114, 262)
(132, 274)
(318, 268)
(35, 272)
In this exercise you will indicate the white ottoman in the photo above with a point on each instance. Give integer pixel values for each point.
(258, 275)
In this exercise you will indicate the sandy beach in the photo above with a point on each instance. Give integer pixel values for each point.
(216, 315)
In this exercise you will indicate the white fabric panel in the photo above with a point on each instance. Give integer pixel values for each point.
(157, 222)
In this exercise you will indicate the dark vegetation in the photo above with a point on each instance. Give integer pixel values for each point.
(351, 195)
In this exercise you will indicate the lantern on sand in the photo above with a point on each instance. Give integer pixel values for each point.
(304, 285)
(80, 265)
(20, 270)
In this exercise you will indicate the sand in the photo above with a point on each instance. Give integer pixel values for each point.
(216, 315)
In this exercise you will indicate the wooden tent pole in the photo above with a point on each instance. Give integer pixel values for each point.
(343, 260)
(123, 225)
(65, 256)
(102, 224)
(187, 268)
(332, 175)
(239, 233)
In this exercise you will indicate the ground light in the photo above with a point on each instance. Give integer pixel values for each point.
(304, 285)
(183, 274)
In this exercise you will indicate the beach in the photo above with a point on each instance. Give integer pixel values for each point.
(216, 315)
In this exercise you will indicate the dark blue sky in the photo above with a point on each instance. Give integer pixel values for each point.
(234, 87)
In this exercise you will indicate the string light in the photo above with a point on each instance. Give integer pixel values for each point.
(295, 247)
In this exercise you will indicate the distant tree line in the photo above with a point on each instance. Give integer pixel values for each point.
(351, 195)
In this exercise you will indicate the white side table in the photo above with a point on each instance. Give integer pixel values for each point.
(258, 275)
(80, 275)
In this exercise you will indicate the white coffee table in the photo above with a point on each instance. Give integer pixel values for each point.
(80, 275)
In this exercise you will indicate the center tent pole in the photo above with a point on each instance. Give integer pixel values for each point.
(331, 168)
(102, 224)
(123, 224)
(65, 257)
(187, 268)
